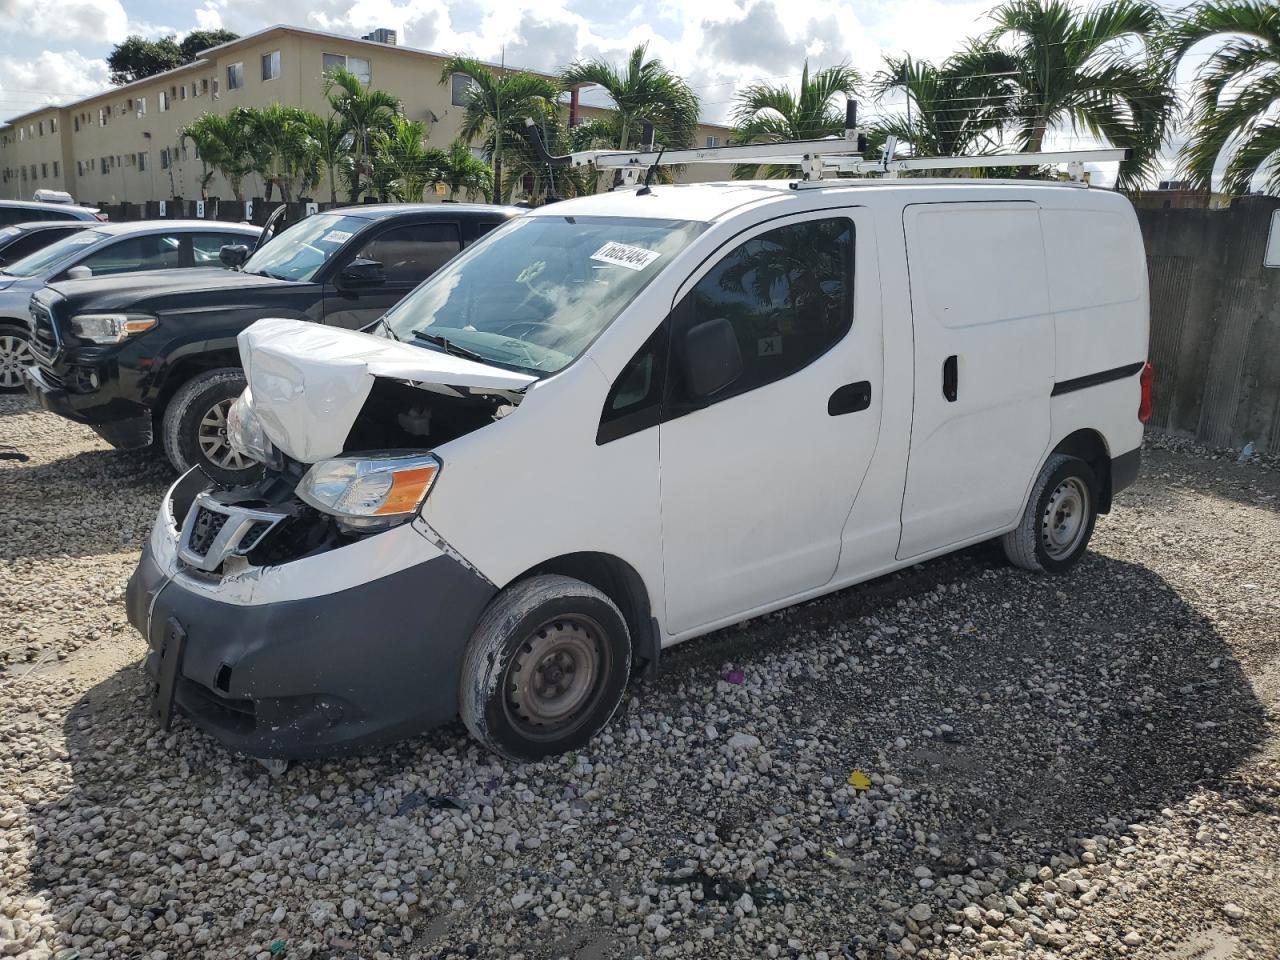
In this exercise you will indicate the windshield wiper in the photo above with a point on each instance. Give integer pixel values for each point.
(382, 322)
(448, 346)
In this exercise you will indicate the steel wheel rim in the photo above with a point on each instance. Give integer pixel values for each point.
(215, 445)
(1066, 518)
(15, 357)
(555, 676)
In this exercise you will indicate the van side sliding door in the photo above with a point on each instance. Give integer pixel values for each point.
(984, 344)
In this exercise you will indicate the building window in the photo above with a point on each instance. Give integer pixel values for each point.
(44, 171)
(128, 105)
(195, 90)
(22, 134)
(271, 65)
(164, 159)
(55, 169)
(182, 92)
(356, 65)
(75, 123)
(713, 141)
(235, 75)
(53, 124)
(164, 101)
(142, 106)
(204, 84)
(459, 89)
(142, 161)
(102, 116)
(42, 128)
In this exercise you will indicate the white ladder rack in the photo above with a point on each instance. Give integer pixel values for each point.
(815, 157)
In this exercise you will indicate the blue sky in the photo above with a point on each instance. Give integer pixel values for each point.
(53, 50)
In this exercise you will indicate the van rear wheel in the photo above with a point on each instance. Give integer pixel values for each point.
(1058, 521)
(545, 668)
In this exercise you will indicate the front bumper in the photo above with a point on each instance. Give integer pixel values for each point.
(319, 675)
(122, 423)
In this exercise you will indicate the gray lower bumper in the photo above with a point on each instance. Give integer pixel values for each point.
(322, 675)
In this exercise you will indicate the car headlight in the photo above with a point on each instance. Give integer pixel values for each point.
(244, 430)
(110, 327)
(374, 490)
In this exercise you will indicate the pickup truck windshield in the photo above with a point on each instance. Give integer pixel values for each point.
(534, 294)
(299, 252)
(51, 256)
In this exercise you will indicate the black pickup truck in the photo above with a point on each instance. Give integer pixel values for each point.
(154, 354)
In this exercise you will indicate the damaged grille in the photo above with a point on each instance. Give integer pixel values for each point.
(208, 524)
(215, 531)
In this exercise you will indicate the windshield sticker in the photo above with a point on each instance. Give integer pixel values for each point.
(625, 255)
(336, 236)
(82, 238)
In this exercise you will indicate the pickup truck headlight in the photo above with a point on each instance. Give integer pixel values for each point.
(110, 327)
(244, 430)
(372, 491)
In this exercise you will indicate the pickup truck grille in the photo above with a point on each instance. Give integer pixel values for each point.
(44, 335)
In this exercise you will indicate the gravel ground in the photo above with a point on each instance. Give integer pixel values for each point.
(1086, 766)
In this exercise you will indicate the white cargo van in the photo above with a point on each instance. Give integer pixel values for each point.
(626, 420)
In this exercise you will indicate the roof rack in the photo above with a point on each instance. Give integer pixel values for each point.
(814, 157)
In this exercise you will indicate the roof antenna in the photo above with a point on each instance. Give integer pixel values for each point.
(647, 144)
(851, 131)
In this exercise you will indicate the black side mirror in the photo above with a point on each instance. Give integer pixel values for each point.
(233, 255)
(362, 273)
(711, 358)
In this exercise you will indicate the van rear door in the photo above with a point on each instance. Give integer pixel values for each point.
(984, 343)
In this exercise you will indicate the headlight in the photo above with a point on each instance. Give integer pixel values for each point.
(110, 327)
(376, 490)
(244, 430)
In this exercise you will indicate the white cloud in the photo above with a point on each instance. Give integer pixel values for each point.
(94, 21)
(48, 78)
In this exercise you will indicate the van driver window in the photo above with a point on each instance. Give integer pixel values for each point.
(788, 294)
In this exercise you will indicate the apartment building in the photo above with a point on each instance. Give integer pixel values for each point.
(124, 144)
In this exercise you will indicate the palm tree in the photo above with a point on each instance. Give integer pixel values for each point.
(402, 161)
(954, 109)
(461, 171)
(766, 112)
(331, 146)
(498, 103)
(1091, 70)
(645, 91)
(1236, 93)
(283, 146)
(226, 143)
(362, 111)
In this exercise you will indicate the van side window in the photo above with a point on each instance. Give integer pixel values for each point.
(788, 294)
(634, 402)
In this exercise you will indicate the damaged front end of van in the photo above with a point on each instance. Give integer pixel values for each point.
(314, 610)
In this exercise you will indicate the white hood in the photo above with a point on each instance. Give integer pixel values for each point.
(309, 381)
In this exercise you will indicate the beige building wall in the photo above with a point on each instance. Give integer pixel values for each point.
(124, 144)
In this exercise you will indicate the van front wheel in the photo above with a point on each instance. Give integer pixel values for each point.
(545, 669)
(1058, 521)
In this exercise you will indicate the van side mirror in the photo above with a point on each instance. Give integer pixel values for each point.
(711, 357)
(233, 255)
(362, 273)
(79, 272)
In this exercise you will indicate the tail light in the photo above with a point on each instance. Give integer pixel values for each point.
(1144, 404)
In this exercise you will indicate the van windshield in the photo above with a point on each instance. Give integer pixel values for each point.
(535, 293)
(42, 261)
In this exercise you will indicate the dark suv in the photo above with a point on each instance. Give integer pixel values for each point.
(155, 354)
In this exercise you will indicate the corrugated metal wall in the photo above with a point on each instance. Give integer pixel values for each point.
(1215, 324)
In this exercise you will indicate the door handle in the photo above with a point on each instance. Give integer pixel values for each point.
(850, 398)
(950, 378)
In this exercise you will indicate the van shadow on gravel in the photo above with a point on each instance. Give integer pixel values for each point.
(1058, 707)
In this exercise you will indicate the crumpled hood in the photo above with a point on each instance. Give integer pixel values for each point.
(309, 382)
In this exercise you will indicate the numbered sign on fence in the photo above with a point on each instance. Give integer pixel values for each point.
(248, 209)
(199, 209)
(164, 208)
(312, 207)
(1271, 257)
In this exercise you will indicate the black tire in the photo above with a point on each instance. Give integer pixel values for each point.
(15, 356)
(1057, 523)
(534, 637)
(184, 419)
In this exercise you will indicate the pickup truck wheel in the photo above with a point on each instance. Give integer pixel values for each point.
(545, 669)
(195, 428)
(1058, 521)
(15, 357)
